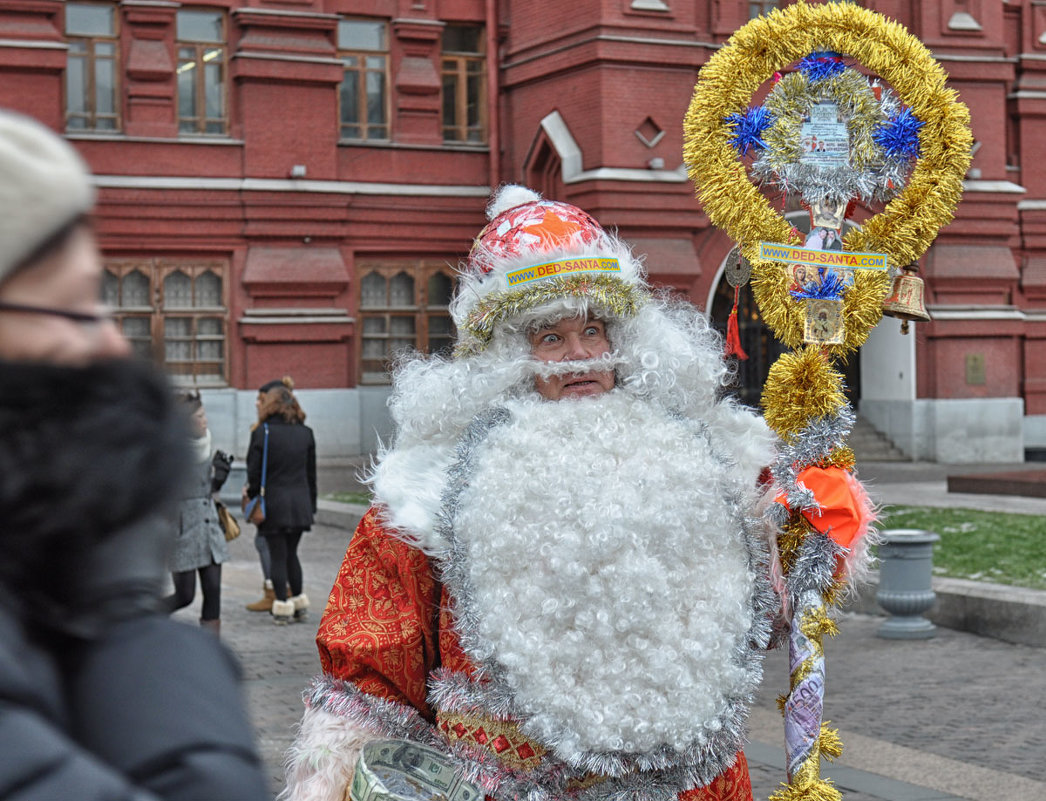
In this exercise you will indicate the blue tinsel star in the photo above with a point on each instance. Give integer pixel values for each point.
(821, 65)
(828, 285)
(749, 127)
(899, 136)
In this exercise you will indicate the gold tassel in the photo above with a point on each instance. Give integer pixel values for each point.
(841, 457)
(790, 539)
(816, 623)
(829, 742)
(819, 790)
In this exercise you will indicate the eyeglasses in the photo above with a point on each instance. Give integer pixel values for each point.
(87, 318)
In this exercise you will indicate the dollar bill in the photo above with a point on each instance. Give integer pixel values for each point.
(399, 770)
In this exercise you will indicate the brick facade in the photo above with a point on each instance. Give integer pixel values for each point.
(583, 101)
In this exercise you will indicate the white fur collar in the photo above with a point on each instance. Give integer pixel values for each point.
(408, 485)
(201, 446)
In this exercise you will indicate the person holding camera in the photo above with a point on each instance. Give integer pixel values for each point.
(200, 546)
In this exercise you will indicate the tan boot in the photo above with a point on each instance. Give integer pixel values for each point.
(282, 612)
(213, 626)
(301, 607)
(264, 604)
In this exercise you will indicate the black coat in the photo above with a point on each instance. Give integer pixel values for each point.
(149, 709)
(290, 483)
(101, 697)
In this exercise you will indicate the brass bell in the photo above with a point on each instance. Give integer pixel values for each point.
(906, 298)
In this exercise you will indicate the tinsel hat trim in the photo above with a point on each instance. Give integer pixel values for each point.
(906, 228)
(609, 296)
(533, 252)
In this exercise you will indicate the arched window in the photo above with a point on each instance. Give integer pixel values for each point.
(135, 291)
(177, 291)
(403, 308)
(174, 313)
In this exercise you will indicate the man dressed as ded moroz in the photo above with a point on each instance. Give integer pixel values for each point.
(563, 582)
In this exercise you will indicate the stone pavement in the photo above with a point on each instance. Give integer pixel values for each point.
(956, 717)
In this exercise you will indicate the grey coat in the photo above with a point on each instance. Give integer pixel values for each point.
(200, 539)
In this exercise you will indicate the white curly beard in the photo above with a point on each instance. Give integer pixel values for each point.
(609, 573)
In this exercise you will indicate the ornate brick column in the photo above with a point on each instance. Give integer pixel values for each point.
(1027, 106)
(32, 59)
(416, 78)
(284, 66)
(148, 36)
(969, 405)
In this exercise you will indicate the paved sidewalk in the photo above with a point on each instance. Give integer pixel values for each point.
(956, 717)
(926, 484)
(950, 717)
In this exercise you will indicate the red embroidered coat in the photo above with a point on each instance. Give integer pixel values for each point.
(388, 624)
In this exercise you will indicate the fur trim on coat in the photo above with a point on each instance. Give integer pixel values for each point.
(86, 452)
(320, 764)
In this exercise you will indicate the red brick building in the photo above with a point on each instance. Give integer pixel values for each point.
(285, 186)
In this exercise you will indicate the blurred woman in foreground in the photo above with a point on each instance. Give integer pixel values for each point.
(103, 695)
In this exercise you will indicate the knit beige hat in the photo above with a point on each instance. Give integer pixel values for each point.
(44, 185)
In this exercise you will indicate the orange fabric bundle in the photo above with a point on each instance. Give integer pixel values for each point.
(846, 510)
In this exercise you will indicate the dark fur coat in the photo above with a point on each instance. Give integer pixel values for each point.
(85, 454)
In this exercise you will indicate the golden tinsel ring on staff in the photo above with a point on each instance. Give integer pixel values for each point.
(907, 226)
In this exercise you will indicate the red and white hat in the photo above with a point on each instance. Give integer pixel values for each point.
(534, 252)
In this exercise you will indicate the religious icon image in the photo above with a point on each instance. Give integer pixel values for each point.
(824, 322)
(801, 276)
(825, 214)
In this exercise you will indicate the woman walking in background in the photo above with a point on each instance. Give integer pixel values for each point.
(200, 545)
(286, 447)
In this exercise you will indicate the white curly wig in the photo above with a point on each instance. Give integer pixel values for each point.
(662, 351)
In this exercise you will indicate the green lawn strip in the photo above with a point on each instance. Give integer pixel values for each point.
(985, 546)
(358, 498)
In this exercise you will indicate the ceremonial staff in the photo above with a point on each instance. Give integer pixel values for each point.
(897, 142)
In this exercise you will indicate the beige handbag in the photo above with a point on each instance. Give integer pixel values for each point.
(227, 522)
